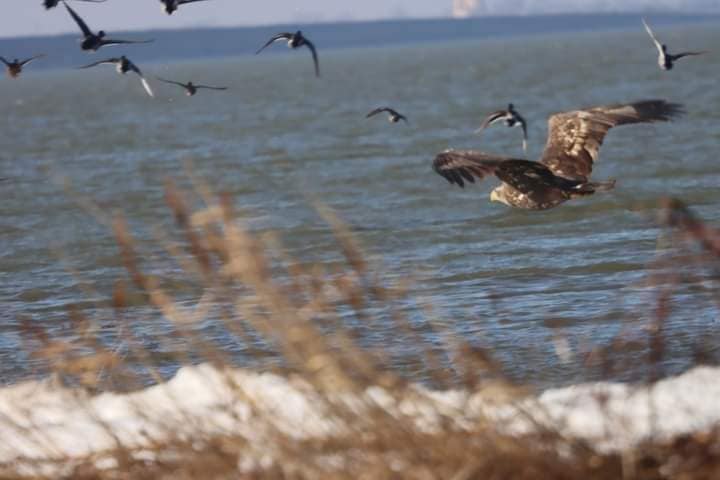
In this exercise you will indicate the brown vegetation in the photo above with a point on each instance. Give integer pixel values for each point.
(292, 311)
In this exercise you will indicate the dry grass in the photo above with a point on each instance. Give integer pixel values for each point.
(284, 309)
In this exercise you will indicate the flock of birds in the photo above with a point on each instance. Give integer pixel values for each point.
(562, 173)
(93, 41)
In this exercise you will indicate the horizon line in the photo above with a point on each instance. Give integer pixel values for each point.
(399, 19)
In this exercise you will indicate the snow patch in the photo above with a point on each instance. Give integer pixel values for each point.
(49, 422)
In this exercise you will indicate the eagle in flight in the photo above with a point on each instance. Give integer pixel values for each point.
(563, 172)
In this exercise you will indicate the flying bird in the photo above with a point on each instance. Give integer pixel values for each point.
(48, 4)
(667, 60)
(190, 88)
(295, 40)
(15, 68)
(92, 41)
(169, 6)
(563, 172)
(123, 65)
(511, 117)
(393, 116)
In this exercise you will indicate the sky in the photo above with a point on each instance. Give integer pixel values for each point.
(28, 17)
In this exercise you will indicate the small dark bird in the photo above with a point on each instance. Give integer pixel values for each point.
(124, 65)
(92, 41)
(563, 172)
(511, 118)
(169, 6)
(190, 88)
(295, 40)
(15, 68)
(48, 4)
(393, 116)
(667, 60)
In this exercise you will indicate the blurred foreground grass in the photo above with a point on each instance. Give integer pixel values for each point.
(296, 310)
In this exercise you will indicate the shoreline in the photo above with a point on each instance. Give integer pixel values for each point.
(204, 401)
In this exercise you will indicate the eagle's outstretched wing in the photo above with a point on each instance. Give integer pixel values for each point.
(574, 138)
(460, 166)
(531, 177)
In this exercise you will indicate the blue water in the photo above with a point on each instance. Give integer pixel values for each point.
(279, 139)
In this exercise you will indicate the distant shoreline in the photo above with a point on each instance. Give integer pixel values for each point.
(666, 17)
(209, 42)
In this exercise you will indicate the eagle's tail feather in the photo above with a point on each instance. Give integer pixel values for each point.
(593, 187)
(602, 186)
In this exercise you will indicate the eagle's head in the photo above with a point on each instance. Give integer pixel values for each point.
(497, 195)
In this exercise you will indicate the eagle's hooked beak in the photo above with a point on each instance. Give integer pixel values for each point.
(494, 197)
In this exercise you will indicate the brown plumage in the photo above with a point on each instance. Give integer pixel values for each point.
(563, 172)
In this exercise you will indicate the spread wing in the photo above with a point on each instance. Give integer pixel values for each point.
(460, 166)
(171, 82)
(658, 45)
(80, 22)
(492, 118)
(310, 45)
(688, 54)
(101, 62)
(26, 61)
(134, 68)
(379, 110)
(109, 42)
(275, 38)
(2, 59)
(574, 138)
(146, 86)
(532, 177)
(523, 124)
(208, 87)
(183, 2)
(48, 4)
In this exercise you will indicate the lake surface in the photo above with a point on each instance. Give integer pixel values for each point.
(280, 137)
